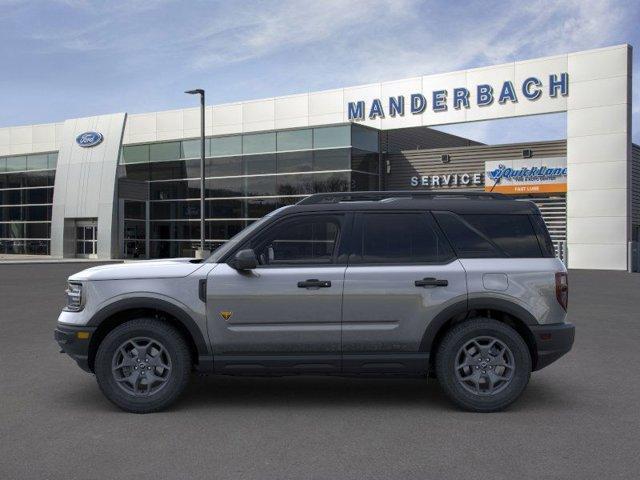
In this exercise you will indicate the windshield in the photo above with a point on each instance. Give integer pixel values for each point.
(240, 237)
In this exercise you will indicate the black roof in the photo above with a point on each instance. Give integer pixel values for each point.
(457, 202)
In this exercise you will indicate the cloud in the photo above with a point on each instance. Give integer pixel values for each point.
(267, 47)
(289, 24)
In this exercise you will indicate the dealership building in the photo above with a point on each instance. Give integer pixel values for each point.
(127, 185)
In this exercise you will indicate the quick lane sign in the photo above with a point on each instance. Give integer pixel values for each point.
(544, 175)
(482, 95)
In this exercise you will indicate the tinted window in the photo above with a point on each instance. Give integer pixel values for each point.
(364, 138)
(513, 234)
(257, 164)
(328, 137)
(295, 162)
(135, 154)
(295, 140)
(223, 166)
(544, 239)
(223, 146)
(331, 160)
(160, 152)
(467, 241)
(37, 162)
(306, 240)
(398, 238)
(259, 143)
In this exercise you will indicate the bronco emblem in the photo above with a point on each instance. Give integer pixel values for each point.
(226, 315)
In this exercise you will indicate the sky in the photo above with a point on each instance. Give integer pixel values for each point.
(74, 58)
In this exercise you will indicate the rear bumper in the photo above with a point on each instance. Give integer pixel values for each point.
(74, 345)
(552, 342)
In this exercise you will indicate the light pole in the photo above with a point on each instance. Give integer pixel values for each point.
(202, 252)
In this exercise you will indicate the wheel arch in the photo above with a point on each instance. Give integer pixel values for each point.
(117, 313)
(509, 313)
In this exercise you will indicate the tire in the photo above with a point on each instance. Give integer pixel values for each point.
(143, 365)
(492, 385)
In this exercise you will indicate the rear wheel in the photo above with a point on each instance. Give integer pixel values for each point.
(143, 365)
(483, 365)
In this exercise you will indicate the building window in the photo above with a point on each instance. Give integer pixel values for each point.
(135, 154)
(247, 176)
(225, 146)
(259, 143)
(295, 140)
(332, 137)
(26, 197)
(365, 139)
(161, 152)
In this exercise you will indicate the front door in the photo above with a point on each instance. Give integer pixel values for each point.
(401, 274)
(284, 315)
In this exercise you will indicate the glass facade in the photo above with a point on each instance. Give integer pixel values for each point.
(26, 196)
(247, 176)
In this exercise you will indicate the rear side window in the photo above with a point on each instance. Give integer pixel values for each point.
(514, 234)
(544, 239)
(398, 238)
(467, 241)
(483, 235)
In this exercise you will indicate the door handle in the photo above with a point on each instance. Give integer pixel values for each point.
(314, 283)
(431, 282)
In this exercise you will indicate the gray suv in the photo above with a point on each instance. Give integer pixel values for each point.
(462, 287)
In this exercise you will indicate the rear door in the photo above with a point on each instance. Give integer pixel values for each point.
(401, 274)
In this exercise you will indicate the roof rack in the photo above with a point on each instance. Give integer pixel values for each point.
(378, 196)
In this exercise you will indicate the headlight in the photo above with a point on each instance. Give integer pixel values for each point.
(74, 297)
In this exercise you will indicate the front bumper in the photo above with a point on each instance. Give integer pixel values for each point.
(74, 341)
(552, 342)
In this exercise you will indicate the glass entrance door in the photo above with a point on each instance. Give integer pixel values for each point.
(86, 239)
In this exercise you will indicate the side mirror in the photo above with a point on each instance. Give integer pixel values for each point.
(245, 260)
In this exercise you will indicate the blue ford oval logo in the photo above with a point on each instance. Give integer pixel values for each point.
(89, 139)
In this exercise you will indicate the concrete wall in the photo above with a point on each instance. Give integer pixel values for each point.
(85, 185)
(599, 158)
(30, 139)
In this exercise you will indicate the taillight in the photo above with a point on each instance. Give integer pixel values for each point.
(562, 289)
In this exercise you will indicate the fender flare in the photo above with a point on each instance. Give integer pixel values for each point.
(185, 319)
(464, 307)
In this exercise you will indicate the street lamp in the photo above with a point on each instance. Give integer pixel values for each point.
(201, 252)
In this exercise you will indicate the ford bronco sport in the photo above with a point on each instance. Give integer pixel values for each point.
(463, 287)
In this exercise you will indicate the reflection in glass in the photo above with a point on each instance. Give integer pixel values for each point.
(295, 140)
(295, 162)
(223, 166)
(259, 164)
(261, 186)
(161, 152)
(331, 159)
(331, 137)
(259, 143)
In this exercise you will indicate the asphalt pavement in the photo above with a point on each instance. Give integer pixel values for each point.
(578, 419)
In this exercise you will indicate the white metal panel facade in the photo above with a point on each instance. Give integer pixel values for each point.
(598, 106)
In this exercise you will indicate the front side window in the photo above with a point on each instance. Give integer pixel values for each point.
(310, 239)
(398, 238)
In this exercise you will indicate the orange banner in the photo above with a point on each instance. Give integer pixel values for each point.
(526, 189)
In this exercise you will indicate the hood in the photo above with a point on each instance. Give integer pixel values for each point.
(173, 268)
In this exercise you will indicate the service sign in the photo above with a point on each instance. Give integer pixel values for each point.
(524, 176)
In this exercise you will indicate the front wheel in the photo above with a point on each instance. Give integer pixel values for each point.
(483, 365)
(143, 365)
